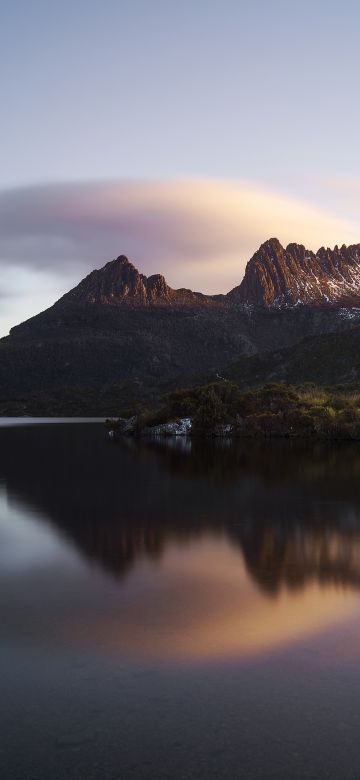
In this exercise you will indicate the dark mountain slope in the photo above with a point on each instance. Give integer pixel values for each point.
(75, 345)
(328, 359)
(120, 329)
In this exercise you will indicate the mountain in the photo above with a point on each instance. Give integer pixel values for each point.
(278, 277)
(120, 337)
(275, 277)
(119, 283)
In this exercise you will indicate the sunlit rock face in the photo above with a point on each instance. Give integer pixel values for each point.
(274, 277)
(119, 282)
(278, 277)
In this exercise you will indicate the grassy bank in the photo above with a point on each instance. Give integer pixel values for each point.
(273, 410)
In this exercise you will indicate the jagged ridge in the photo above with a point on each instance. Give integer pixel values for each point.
(274, 277)
(119, 282)
(289, 277)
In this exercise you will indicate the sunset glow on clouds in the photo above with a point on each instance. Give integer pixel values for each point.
(198, 233)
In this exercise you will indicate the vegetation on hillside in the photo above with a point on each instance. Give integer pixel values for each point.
(273, 410)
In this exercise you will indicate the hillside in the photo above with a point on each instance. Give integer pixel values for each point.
(121, 336)
(328, 359)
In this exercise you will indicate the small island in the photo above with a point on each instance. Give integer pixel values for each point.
(271, 411)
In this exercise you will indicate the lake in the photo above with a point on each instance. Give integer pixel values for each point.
(177, 609)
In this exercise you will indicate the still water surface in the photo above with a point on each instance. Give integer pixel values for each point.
(170, 610)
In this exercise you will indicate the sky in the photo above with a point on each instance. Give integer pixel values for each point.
(180, 134)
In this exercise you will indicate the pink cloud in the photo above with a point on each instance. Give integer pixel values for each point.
(198, 233)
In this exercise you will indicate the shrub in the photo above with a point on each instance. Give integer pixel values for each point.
(210, 413)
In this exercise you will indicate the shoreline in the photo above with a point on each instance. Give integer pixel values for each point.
(174, 430)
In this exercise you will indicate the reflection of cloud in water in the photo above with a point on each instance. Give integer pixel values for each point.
(227, 551)
(208, 607)
(199, 603)
(292, 511)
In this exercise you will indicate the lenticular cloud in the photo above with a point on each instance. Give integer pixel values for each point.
(197, 233)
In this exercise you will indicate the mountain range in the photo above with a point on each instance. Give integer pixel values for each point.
(120, 336)
(274, 277)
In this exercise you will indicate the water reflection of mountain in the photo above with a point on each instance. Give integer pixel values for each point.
(292, 510)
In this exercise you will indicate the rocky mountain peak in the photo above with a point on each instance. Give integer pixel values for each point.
(116, 282)
(275, 277)
(278, 277)
(119, 282)
(272, 245)
(122, 259)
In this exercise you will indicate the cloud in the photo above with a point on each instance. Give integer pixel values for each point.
(342, 191)
(198, 233)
